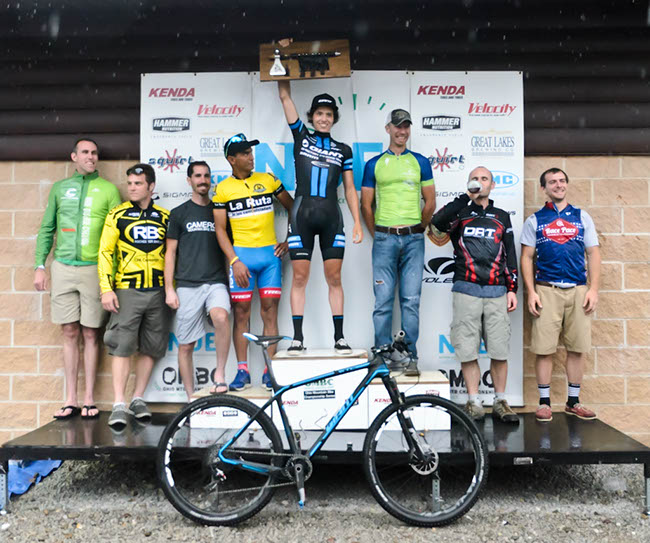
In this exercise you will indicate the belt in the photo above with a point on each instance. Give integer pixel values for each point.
(400, 230)
(547, 284)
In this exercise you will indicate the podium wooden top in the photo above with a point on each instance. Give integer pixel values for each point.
(339, 66)
(320, 354)
(426, 377)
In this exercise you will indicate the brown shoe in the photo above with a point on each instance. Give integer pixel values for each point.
(544, 413)
(501, 411)
(474, 410)
(580, 411)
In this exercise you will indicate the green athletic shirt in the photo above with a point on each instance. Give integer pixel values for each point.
(398, 181)
(76, 210)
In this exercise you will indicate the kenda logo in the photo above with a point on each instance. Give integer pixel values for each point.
(175, 94)
(443, 91)
(490, 110)
(504, 180)
(219, 111)
(171, 124)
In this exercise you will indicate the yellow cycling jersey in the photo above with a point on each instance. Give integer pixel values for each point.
(136, 237)
(249, 205)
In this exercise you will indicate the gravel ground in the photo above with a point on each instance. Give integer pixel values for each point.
(105, 501)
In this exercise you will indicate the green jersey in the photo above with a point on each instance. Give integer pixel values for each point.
(398, 182)
(75, 212)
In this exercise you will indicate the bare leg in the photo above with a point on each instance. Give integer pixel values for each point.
(499, 372)
(71, 333)
(269, 311)
(333, 278)
(143, 369)
(121, 369)
(544, 368)
(221, 325)
(242, 313)
(91, 357)
(574, 367)
(298, 285)
(472, 375)
(186, 367)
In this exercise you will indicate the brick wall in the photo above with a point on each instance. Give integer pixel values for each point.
(615, 190)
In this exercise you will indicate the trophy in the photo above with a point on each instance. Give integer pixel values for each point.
(305, 60)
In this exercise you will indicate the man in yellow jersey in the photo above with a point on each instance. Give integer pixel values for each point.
(246, 200)
(134, 234)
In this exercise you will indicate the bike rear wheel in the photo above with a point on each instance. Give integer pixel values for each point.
(434, 489)
(200, 484)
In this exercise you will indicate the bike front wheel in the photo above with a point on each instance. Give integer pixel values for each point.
(206, 482)
(436, 481)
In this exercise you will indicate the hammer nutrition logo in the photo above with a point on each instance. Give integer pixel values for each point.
(445, 92)
(490, 110)
(441, 123)
(171, 124)
(219, 111)
(174, 94)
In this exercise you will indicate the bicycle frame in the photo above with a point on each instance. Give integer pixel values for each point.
(376, 368)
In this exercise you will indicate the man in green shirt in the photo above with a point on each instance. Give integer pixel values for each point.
(75, 213)
(397, 180)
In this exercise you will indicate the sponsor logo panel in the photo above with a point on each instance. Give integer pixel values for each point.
(492, 144)
(171, 161)
(171, 124)
(487, 109)
(220, 110)
(173, 94)
(444, 92)
(446, 160)
(211, 145)
(504, 180)
(441, 123)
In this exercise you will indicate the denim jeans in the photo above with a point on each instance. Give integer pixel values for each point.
(397, 260)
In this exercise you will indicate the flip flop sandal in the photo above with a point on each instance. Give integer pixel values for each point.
(88, 408)
(74, 411)
(213, 390)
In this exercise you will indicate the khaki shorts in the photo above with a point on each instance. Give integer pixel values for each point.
(142, 324)
(475, 318)
(561, 311)
(75, 295)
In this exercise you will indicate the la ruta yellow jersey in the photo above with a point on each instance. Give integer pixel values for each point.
(135, 237)
(249, 205)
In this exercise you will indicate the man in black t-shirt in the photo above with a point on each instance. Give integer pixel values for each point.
(194, 259)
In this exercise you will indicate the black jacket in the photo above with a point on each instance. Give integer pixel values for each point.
(484, 245)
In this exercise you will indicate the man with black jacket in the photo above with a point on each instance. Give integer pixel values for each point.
(485, 286)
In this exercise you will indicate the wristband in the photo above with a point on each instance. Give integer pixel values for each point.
(233, 260)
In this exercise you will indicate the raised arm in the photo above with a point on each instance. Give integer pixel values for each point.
(290, 111)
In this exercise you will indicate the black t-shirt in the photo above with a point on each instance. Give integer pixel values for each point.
(319, 160)
(199, 259)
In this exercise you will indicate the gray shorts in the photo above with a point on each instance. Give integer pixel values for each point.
(193, 314)
(475, 318)
(141, 324)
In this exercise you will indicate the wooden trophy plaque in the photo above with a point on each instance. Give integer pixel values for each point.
(305, 60)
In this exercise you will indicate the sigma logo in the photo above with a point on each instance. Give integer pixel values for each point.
(445, 92)
(441, 123)
(439, 270)
(448, 160)
(170, 162)
(175, 94)
(219, 111)
(171, 124)
(490, 110)
(504, 180)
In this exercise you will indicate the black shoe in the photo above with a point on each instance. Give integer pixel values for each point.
(296, 348)
(342, 347)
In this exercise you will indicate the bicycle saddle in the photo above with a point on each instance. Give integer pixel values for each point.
(259, 340)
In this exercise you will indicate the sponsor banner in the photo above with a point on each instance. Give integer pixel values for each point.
(448, 110)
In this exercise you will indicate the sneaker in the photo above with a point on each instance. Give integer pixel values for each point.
(474, 410)
(580, 411)
(296, 348)
(139, 409)
(119, 415)
(241, 381)
(412, 367)
(342, 347)
(501, 411)
(544, 413)
(266, 381)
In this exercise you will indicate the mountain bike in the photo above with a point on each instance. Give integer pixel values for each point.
(221, 458)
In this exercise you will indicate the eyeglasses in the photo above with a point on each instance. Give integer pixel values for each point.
(237, 138)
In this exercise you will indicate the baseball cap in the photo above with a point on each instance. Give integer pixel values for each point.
(237, 144)
(398, 116)
(323, 100)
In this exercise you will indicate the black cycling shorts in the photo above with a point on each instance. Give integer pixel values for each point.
(311, 217)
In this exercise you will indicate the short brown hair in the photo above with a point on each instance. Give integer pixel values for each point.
(146, 169)
(542, 178)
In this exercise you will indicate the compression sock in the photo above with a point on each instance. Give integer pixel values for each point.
(297, 328)
(544, 394)
(338, 326)
(242, 365)
(574, 393)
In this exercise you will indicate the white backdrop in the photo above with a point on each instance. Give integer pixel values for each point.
(460, 120)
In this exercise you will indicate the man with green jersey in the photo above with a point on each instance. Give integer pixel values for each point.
(75, 212)
(396, 180)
